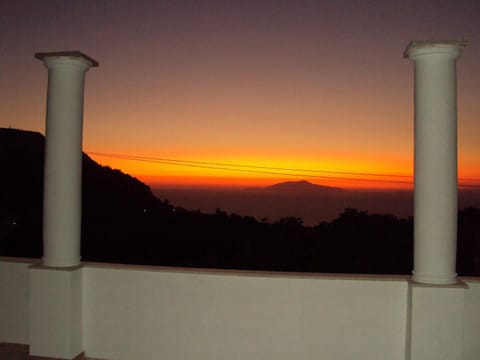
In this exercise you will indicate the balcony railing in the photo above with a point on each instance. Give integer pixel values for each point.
(141, 312)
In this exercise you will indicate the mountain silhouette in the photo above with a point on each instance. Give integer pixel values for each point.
(301, 187)
(22, 158)
(109, 197)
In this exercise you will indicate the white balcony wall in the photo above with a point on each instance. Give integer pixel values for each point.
(134, 312)
(471, 320)
(14, 300)
(152, 313)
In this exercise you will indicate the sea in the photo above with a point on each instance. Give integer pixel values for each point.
(313, 208)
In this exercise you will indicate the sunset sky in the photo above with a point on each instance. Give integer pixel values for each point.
(235, 93)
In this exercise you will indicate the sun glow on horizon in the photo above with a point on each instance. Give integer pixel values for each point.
(236, 172)
(240, 171)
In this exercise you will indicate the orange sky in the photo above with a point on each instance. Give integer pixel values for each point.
(301, 85)
(253, 171)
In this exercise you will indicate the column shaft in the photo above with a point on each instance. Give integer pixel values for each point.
(435, 194)
(63, 158)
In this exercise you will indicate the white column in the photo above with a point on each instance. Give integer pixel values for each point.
(435, 195)
(63, 156)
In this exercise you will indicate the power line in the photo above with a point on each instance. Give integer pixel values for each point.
(266, 172)
(272, 170)
(247, 166)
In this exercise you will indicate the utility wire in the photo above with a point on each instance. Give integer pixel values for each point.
(272, 170)
(246, 166)
(263, 171)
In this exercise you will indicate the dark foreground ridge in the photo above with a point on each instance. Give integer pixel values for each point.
(124, 222)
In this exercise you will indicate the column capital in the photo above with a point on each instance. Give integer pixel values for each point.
(66, 55)
(429, 47)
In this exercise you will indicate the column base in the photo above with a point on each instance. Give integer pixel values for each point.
(56, 313)
(69, 263)
(435, 321)
(436, 279)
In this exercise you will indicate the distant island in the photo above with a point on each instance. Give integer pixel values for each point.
(302, 187)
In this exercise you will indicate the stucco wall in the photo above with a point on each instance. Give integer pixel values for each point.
(471, 320)
(151, 313)
(168, 314)
(14, 300)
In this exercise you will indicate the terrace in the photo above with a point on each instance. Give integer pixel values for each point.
(60, 308)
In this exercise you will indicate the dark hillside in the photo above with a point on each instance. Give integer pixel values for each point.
(110, 197)
(21, 186)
